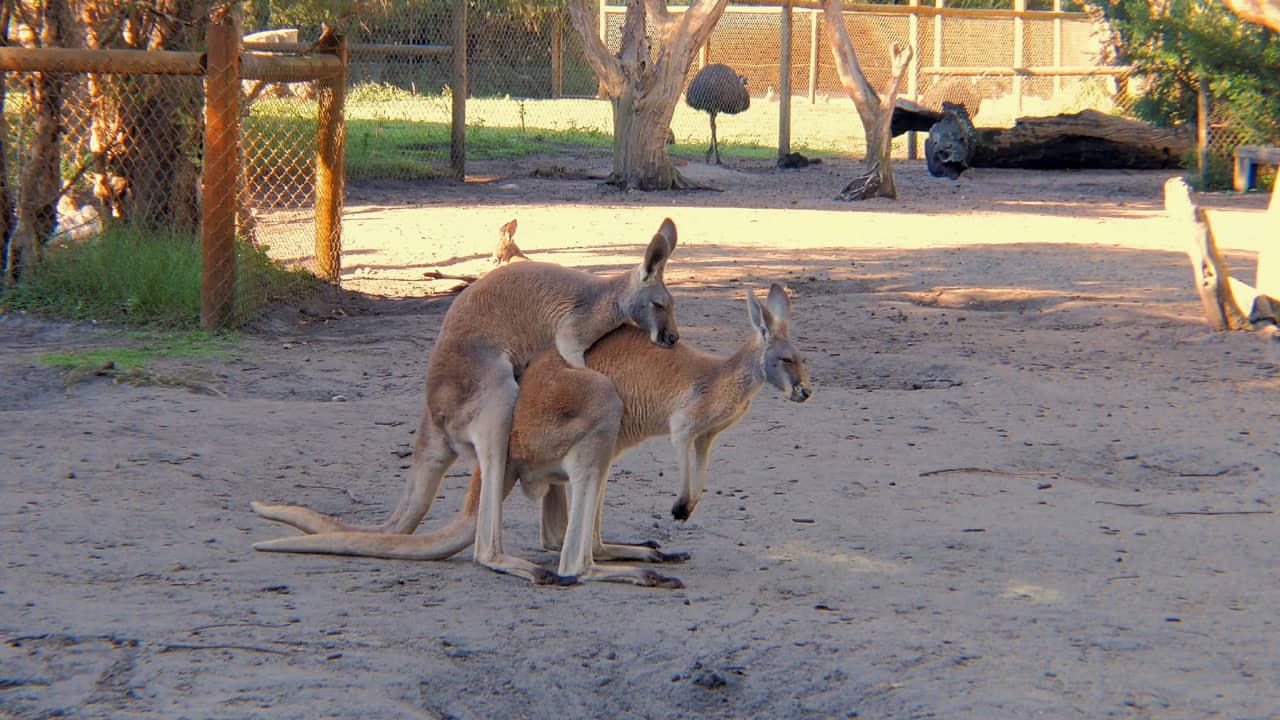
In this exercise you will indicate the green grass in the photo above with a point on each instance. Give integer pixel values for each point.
(129, 364)
(393, 133)
(152, 346)
(134, 278)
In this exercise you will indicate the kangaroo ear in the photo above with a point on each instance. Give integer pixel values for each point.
(761, 319)
(509, 229)
(668, 231)
(659, 250)
(779, 306)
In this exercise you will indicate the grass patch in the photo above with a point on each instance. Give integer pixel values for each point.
(133, 278)
(151, 346)
(129, 364)
(393, 133)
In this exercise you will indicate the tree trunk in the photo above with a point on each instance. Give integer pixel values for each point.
(159, 123)
(645, 86)
(40, 177)
(875, 112)
(100, 22)
(7, 216)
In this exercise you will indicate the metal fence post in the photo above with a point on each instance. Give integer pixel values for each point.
(331, 96)
(221, 173)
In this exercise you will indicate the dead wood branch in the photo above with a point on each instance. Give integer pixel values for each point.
(1229, 304)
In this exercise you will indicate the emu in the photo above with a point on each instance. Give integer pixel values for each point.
(718, 89)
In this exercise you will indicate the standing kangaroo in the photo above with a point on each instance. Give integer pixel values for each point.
(491, 332)
(568, 428)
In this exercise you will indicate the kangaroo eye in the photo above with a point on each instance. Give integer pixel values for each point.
(788, 361)
(658, 306)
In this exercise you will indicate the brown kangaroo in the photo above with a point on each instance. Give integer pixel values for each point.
(491, 332)
(568, 427)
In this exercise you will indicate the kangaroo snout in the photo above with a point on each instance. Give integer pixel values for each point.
(665, 338)
(800, 393)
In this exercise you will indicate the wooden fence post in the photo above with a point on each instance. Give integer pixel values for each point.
(221, 173)
(557, 55)
(330, 141)
(813, 55)
(1019, 53)
(1203, 110)
(458, 85)
(784, 82)
(913, 73)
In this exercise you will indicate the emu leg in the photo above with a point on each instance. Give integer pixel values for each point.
(714, 150)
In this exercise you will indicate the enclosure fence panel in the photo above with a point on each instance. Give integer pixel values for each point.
(1000, 64)
(117, 141)
(528, 73)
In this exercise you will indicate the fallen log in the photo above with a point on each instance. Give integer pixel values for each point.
(912, 117)
(1085, 140)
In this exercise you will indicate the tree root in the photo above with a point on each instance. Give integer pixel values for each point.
(678, 182)
(864, 186)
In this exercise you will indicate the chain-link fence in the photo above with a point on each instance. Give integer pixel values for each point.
(98, 141)
(126, 148)
(529, 73)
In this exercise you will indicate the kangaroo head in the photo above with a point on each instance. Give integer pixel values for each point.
(783, 365)
(646, 303)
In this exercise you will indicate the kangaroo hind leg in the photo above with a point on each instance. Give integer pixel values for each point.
(489, 432)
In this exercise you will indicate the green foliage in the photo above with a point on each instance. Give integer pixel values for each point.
(1217, 174)
(1173, 44)
(136, 278)
(395, 22)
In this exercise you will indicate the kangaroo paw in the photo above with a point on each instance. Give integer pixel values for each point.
(678, 556)
(653, 579)
(542, 576)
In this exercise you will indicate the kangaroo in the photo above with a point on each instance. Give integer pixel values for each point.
(490, 334)
(563, 430)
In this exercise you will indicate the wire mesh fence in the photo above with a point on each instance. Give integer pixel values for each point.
(517, 65)
(529, 73)
(107, 144)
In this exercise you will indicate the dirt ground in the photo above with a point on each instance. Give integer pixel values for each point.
(1029, 483)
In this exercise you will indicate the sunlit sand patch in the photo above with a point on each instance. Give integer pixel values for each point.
(1032, 593)
(852, 562)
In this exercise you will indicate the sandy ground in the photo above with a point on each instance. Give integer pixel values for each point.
(1029, 483)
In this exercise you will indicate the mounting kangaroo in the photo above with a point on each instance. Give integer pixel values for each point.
(490, 334)
(690, 395)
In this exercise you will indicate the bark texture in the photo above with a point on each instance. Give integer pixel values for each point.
(644, 80)
(40, 24)
(1228, 302)
(1088, 139)
(875, 111)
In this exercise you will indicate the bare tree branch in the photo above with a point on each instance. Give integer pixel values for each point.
(583, 14)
